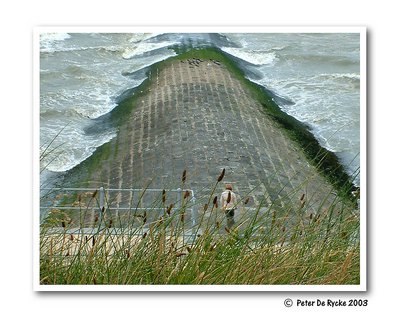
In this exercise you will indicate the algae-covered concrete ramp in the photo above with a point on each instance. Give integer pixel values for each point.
(197, 116)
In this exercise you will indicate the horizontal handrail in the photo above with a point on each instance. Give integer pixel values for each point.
(102, 205)
(108, 208)
(122, 190)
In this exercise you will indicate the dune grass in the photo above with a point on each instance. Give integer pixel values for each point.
(264, 247)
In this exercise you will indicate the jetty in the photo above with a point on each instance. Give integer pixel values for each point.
(195, 115)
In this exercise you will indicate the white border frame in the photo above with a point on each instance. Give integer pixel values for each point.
(362, 31)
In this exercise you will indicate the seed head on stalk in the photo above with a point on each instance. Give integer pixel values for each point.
(180, 254)
(221, 176)
(228, 199)
(215, 202)
(170, 208)
(184, 176)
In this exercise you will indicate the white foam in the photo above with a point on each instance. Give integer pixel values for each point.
(278, 48)
(50, 42)
(252, 56)
(317, 101)
(146, 62)
(96, 96)
(352, 76)
(143, 47)
(51, 37)
(138, 37)
(71, 146)
(59, 48)
(95, 102)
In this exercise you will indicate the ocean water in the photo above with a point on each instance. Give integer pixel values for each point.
(314, 77)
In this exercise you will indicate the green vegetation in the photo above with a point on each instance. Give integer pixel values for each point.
(262, 248)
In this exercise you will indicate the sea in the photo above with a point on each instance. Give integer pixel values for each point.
(314, 77)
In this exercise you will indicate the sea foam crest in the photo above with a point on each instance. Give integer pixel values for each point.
(352, 76)
(51, 37)
(71, 147)
(252, 56)
(138, 37)
(49, 41)
(144, 47)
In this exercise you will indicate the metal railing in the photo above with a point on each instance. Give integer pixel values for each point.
(102, 201)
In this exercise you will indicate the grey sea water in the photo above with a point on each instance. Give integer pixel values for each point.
(314, 77)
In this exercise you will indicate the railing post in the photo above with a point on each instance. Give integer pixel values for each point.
(194, 215)
(181, 214)
(101, 202)
(179, 191)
